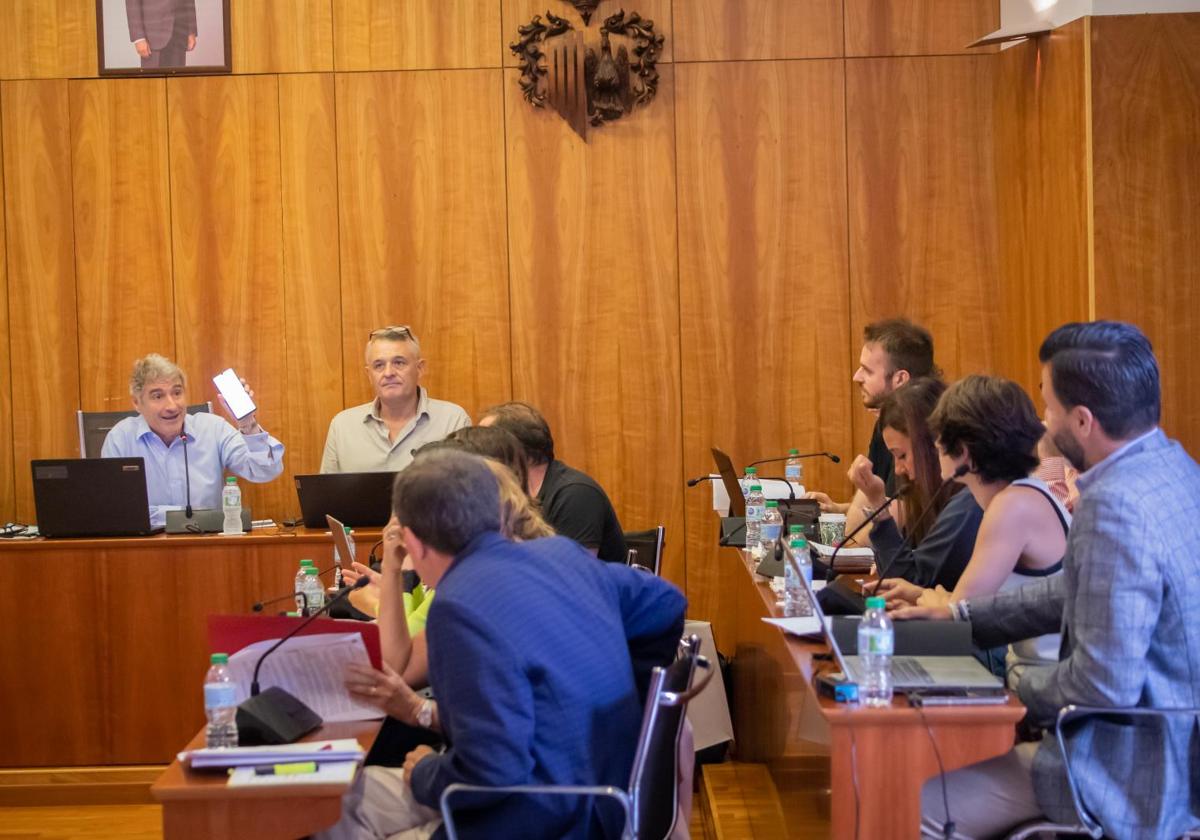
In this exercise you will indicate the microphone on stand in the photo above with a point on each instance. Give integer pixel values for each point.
(187, 476)
(258, 605)
(692, 482)
(275, 716)
(828, 455)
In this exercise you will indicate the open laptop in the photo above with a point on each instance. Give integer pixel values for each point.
(91, 497)
(729, 477)
(909, 673)
(360, 500)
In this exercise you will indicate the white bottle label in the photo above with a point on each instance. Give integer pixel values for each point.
(770, 531)
(219, 695)
(874, 641)
(792, 473)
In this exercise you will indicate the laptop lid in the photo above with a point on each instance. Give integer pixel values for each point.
(91, 497)
(729, 478)
(358, 499)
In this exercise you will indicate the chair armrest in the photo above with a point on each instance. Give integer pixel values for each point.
(561, 790)
(1068, 714)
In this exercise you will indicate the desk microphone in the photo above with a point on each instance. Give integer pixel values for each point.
(275, 716)
(187, 476)
(692, 482)
(828, 455)
(258, 605)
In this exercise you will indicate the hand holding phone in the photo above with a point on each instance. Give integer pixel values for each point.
(233, 392)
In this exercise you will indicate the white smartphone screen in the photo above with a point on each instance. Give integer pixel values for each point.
(235, 395)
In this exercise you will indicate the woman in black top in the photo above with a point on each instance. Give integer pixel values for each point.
(940, 521)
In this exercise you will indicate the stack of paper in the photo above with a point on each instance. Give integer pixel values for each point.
(344, 749)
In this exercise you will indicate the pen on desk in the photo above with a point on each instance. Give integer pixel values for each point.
(297, 768)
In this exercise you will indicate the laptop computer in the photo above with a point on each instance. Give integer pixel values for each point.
(360, 500)
(729, 478)
(91, 497)
(909, 673)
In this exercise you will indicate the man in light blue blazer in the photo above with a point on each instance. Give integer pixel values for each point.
(1127, 605)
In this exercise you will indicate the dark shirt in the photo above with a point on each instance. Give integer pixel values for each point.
(576, 506)
(880, 456)
(944, 553)
(532, 656)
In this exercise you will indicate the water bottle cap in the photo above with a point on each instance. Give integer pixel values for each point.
(800, 543)
(754, 487)
(310, 570)
(795, 529)
(875, 602)
(346, 528)
(751, 470)
(219, 659)
(306, 562)
(793, 451)
(231, 479)
(772, 503)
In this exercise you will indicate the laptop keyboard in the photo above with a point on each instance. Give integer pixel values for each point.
(908, 671)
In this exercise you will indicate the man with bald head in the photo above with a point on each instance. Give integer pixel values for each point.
(380, 436)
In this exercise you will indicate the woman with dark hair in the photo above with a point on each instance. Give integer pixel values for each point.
(939, 522)
(989, 425)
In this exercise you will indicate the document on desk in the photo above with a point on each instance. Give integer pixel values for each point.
(313, 669)
(844, 554)
(326, 773)
(807, 625)
(339, 750)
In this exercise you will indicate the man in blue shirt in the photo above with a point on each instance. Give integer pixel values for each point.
(176, 444)
(533, 649)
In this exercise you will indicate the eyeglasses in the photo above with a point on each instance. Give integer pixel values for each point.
(399, 333)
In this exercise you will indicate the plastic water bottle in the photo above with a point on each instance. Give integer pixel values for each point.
(795, 596)
(301, 597)
(231, 503)
(772, 528)
(749, 480)
(220, 704)
(793, 470)
(754, 516)
(314, 594)
(876, 642)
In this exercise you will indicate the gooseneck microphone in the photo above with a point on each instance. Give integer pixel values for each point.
(828, 455)
(692, 482)
(187, 476)
(258, 605)
(962, 470)
(832, 572)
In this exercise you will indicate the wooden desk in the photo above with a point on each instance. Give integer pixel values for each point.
(104, 643)
(886, 754)
(201, 805)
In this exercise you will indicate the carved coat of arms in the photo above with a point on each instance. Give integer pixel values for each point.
(589, 83)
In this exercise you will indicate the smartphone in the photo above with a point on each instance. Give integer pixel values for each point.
(235, 395)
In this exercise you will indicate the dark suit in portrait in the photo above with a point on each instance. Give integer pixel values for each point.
(167, 26)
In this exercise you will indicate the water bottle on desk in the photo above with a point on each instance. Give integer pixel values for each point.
(748, 480)
(755, 508)
(301, 597)
(220, 704)
(793, 470)
(231, 503)
(772, 528)
(795, 595)
(314, 594)
(876, 641)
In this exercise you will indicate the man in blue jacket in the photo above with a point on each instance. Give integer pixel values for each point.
(531, 657)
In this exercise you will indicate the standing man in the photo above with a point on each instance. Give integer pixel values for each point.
(572, 502)
(163, 432)
(1125, 604)
(162, 30)
(380, 436)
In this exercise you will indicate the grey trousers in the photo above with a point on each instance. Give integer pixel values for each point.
(987, 799)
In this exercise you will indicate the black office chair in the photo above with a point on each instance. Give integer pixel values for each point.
(645, 548)
(651, 804)
(94, 426)
(1086, 824)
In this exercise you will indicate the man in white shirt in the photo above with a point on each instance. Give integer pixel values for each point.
(380, 436)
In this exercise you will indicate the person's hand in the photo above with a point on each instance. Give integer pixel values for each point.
(191, 43)
(938, 597)
(414, 758)
(395, 558)
(827, 504)
(921, 613)
(897, 592)
(385, 690)
(143, 47)
(358, 570)
(871, 485)
(248, 425)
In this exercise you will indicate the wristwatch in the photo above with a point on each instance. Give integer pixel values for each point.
(425, 714)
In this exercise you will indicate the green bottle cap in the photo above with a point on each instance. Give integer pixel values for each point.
(795, 529)
(751, 470)
(875, 602)
(310, 570)
(773, 503)
(219, 659)
(306, 562)
(755, 487)
(799, 544)
(793, 451)
(231, 479)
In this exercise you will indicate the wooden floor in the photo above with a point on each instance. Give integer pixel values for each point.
(735, 802)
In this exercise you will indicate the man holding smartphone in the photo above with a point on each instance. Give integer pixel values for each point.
(187, 455)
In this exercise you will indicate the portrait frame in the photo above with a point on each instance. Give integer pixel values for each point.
(116, 50)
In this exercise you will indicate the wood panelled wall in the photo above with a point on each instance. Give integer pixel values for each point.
(697, 274)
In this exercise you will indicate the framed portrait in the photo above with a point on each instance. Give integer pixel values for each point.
(163, 37)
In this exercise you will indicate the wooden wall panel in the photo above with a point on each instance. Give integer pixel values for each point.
(122, 233)
(517, 13)
(421, 190)
(595, 304)
(416, 34)
(918, 27)
(226, 228)
(922, 205)
(1041, 195)
(282, 36)
(1146, 132)
(764, 311)
(312, 291)
(47, 39)
(7, 498)
(731, 30)
(41, 277)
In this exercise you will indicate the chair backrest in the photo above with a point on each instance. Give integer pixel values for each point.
(94, 426)
(646, 548)
(653, 790)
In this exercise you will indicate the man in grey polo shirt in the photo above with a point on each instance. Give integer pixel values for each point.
(380, 436)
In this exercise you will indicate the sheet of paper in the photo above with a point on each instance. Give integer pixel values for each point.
(327, 773)
(808, 625)
(311, 668)
(827, 551)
